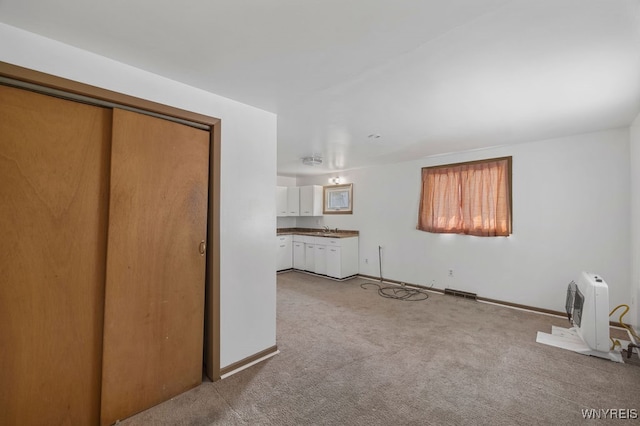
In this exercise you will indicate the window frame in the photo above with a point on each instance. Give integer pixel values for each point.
(423, 196)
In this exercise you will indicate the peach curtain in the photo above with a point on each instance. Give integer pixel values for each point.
(469, 198)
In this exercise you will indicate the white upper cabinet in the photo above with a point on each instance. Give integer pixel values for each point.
(311, 200)
(293, 201)
(299, 200)
(281, 201)
(288, 201)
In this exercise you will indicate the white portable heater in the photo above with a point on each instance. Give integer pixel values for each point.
(590, 310)
(587, 306)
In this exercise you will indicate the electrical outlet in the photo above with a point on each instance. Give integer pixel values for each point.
(451, 273)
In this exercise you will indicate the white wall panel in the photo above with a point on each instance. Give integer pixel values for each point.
(248, 179)
(571, 212)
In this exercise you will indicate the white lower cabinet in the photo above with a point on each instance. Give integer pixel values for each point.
(284, 259)
(320, 264)
(298, 254)
(333, 257)
(334, 263)
(342, 257)
(309, 257)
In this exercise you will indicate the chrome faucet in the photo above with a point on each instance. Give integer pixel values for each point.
(326, 228)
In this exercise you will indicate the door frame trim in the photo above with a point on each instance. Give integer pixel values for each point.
(212, 277)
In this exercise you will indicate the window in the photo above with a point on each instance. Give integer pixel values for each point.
(471, 198)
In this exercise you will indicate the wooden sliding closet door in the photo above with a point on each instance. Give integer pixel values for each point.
(54, 176)
(154, 305)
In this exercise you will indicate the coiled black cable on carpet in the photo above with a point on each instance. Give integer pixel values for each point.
(408, 294)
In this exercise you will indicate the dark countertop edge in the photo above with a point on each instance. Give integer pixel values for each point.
(342, 233)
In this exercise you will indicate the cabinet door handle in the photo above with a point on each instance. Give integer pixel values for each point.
(202, 248)
(282, 245)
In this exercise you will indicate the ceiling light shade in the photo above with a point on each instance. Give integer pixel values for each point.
(313, 160)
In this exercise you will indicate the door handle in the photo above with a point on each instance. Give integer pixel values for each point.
(202, 248)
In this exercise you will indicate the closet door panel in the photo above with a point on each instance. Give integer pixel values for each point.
(54, 176)
(154, 307)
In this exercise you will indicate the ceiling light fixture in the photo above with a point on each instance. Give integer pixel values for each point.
(313, 160)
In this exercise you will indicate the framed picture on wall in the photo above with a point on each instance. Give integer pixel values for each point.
(338, 199)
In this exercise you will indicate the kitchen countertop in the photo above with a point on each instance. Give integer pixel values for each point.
(314, 232)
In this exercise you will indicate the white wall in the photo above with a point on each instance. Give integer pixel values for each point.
(635, 222)
(248, 294)
(571, 212)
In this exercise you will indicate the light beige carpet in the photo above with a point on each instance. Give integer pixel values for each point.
(351, 357)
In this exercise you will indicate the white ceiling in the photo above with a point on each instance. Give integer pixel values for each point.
(428, 76)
